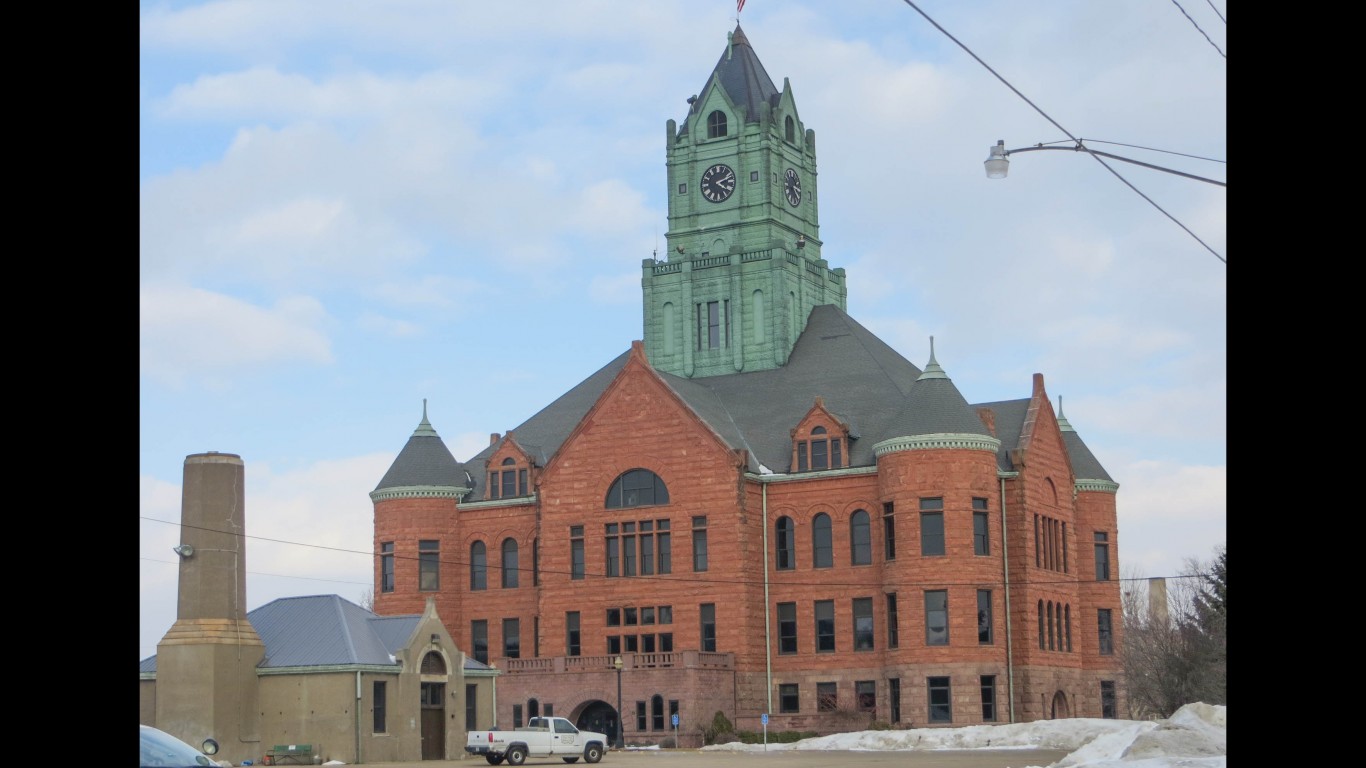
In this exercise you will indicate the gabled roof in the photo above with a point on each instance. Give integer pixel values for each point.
(877, 391)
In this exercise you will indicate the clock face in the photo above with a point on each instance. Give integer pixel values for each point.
(718, 182)
(792, 187)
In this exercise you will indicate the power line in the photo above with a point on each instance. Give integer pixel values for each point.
(781, 578)
(1197, 26)
(1065, 131)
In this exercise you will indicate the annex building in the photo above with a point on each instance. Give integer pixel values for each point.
(761, 507)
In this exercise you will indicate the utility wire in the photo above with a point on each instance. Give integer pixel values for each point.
(792, 578)
(1197, 26)
(1136, 146)
(1065, 131)
(1216, 11)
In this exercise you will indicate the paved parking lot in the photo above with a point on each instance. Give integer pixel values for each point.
(691, 758)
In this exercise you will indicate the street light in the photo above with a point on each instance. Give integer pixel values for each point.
(621, 736)
(998, 161)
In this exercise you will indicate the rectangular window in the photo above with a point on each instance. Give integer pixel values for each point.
(865, 696)
(613, 617)
(665, 545)
(471, 706)
(1108, 708)
(941, 707)
(931, 526)
(709, 627)
(682, 189)
(613, 550)
(1102, 556)
(988, 698)
(787, 628)
(666, 642)
(1064, 549)
(1038, 551)
(894, 697)
(825, 626)
(801, 456)
(576, 561)
(1104, 632)
(699, 543)
(888, 531)
(819, 460)
(981, 542)
(863, 623)
(380, 708)
(479, 640)
(936, 617)
(647, 547)
(628, 549)
(428, 565)
(509, 484)
(834, 453)
(640, 716)
(386, 567)
(516, 715)
(512, 638)
(985, 635)
(827, 697)
(572, 639)
(550, 711)
(788, 698)
(521, 483)
(893, 639)
(613, 645)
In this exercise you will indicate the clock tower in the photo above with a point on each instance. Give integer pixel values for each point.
(743, 264)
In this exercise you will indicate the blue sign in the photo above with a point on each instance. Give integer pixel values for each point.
(764, 718)
(675, 719)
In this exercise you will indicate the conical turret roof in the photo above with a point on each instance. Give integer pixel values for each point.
(424, 462)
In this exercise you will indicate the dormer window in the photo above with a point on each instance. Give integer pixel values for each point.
(716, 124)
(508, 482)
(821, 450)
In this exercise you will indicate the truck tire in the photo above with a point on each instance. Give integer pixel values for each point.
(592, 753)
(493, 759)
(516, 754)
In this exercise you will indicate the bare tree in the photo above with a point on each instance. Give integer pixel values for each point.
(367, 599)
(1174, 648)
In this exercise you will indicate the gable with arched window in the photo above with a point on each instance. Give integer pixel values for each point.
(820, 441)
(509, 471)
(636, 488)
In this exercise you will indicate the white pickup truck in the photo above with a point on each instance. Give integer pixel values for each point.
(541, 737)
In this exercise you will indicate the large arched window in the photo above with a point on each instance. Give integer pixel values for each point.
(478, 566)
(822, 549)
(783, 536)
(860, 539)
(637, 488)
(716, 124)
(510, 564)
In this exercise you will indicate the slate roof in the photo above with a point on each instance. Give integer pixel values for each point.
(743, 79)
(878, 392)
(424, 461)
(326, 630)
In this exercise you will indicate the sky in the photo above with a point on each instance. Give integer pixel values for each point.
(346, 209)
(1195, 736)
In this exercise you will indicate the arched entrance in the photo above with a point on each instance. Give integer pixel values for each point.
(433, 691)
(599, 716)
(1059, 708)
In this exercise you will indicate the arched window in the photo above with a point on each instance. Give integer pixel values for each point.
(822, 550)
(1041, 641)
(533, 708)
(860, 539)
(637, 488)
(784, 535)
(509, 563)
(433, 664)
(1057, 609)
(478, 566)
(1050, 625)
(716, 124)
(1067, 624)
(790, 129)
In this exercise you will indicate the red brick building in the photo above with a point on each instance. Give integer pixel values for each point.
(762, 508)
